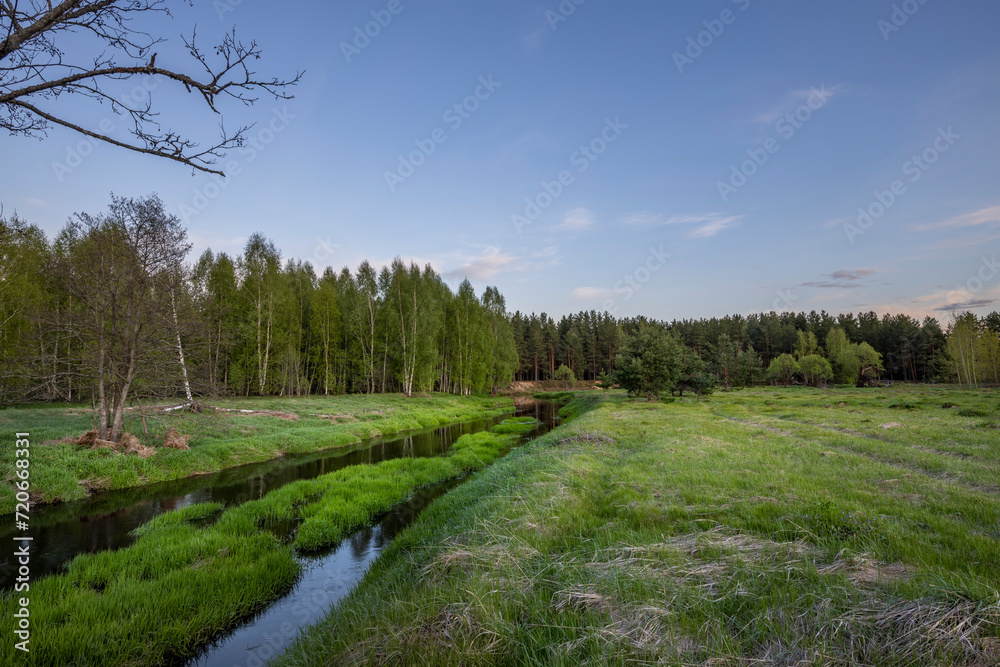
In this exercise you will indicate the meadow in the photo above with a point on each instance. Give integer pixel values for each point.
(758, 527)
(271, 428)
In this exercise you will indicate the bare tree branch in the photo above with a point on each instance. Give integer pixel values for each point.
(34, 71)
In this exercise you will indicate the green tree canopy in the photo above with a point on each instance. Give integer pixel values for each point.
(649, 363)
(783, 369)
(816, 370)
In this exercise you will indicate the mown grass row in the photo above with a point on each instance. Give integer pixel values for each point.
(196, 572)
(64, 472)
(652, 533)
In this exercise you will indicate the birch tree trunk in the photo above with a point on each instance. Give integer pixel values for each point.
(180, 349)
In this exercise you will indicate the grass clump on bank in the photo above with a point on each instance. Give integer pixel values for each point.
(61, 471)
(330, 507)
(187, 579)
(175, 588)
(516, 426)
(759, 527)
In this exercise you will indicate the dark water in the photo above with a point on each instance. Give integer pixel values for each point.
(329, 576)
(105, 521)
(325, 580)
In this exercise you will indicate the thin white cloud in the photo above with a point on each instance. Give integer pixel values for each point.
(485, 266)
(592, 293)
(713, 227)
(706, 225)
(492, 261)
(549, 251)
(968, 240)
(820, 95)
(836, 222)
(984, 216)
(942, 303)
(577, 220)
(532, 39)
(640, 219)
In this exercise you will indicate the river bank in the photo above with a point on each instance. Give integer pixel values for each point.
(262, 430)
(200, 572)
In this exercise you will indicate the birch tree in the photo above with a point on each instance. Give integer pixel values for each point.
(260, 268)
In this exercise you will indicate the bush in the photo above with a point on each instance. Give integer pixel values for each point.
(783, 369)
(565, 374)
(816, 370)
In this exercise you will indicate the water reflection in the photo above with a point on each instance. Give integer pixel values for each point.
(326, 579)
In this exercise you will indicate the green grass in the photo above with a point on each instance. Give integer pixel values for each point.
(198, 571)
(759, 527)
(516, 425)
(64, 472)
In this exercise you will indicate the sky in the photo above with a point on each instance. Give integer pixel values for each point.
(674, 160)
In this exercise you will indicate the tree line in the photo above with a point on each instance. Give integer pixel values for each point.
(909, 350)
(111, 311)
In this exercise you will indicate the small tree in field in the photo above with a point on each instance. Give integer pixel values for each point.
(816, 370)
(869, 364)
(564, 374)
(605, 382)
(649, 363)
(694, 375)
(749, 367)
(783, 369)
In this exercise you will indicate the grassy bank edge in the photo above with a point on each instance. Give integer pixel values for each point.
(183, 583)
(65, 473)
(443, 517)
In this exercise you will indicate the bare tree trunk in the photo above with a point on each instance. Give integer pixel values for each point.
(121, 396)
(102, 401)
(180, 349)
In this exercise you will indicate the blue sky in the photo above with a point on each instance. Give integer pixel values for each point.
(714, 155)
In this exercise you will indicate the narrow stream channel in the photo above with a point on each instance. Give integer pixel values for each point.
(105, 521)
(329, 576)
(326, 579)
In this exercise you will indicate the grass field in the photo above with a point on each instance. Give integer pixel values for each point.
(61, 471)
(761, 527)
(199, 571)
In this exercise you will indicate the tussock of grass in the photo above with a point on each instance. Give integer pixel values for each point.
(177, 586)
(516, 426)
(61, 471)
(700, 532)
(192, 514)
